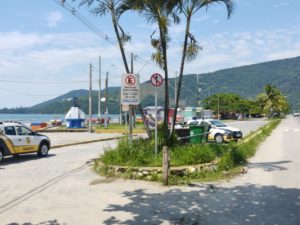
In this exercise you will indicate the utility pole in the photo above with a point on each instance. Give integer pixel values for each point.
(131, 69)
(130, 106)
(99, 91)
(198, 90)
(106, 109)
(218, 106)
(134, 107)
(90, 100)
(175, 88)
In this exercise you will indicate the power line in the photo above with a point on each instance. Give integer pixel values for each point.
(75, 13)
(24, 93)
(98, 32)
(43, 82)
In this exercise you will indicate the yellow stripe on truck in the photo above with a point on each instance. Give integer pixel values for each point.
(27, 148)
(8, 144)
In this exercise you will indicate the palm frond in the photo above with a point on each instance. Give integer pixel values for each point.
(124, 37)
(100, 10)
(228, 3)
(157, 57)
(193, 48)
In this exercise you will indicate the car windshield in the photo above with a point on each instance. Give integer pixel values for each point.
(218, 123)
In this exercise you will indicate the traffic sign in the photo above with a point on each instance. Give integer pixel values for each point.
(156, 80)
(130, 80)
(130, 89)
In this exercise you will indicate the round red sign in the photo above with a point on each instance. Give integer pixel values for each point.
(156, 80)
(130, 80)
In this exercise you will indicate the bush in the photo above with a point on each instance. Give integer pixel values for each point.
(139, 153)
(191, 154)
(235, 156)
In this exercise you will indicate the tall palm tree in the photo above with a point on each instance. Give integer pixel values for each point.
(113, 7)
(162, 13)
(103, 7)
(190, 47)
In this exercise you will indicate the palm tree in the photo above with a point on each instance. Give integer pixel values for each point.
(272, 101)
(190, 46)
(162, 13)
(101, 8)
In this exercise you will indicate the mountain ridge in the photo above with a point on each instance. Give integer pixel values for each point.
(247, 81)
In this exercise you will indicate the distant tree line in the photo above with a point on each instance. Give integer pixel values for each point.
(270, 103)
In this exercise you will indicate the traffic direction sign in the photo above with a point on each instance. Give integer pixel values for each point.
(156, 80)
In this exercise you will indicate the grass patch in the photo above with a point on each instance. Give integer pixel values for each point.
(118, 128)
(141, 154)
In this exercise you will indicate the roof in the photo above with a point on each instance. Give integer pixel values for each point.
(9, 123)
(75, 113)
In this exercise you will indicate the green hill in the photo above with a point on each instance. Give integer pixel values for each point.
(247, 81)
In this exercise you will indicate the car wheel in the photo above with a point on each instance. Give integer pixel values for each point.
(219, 138)
(1, 155)
(43, 150)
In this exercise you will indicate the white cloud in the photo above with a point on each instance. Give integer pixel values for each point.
(63, 56)
(54, 18)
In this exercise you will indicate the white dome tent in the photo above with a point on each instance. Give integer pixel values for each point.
(75, 117)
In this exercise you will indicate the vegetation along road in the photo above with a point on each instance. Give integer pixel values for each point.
(62, 189)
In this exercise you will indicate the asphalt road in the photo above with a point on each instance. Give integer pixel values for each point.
(248, 126)
(62, 189)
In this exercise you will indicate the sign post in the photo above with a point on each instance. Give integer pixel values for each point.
(156, 81)
(130, 95)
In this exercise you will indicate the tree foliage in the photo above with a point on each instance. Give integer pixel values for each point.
(270, 102)
(191, 47)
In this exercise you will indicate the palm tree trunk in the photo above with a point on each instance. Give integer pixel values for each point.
(187, 31)
(140, 108)
(114, 21)
(166, 108)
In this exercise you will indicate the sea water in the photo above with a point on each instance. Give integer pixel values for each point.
(38, 118)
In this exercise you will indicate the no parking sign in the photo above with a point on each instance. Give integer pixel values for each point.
(130, 89)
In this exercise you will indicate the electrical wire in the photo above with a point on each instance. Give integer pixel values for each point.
(24, 93)
(43, 82)
(98, 32)
(83, 20)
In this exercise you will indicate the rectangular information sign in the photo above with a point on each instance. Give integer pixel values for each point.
(130, 89)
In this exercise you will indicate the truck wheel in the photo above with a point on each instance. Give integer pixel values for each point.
(219, 138)
(1, 155)
(43, 150)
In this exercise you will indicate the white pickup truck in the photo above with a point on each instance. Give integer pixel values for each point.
(16, 139)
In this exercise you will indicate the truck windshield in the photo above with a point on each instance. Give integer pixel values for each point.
(218, 123)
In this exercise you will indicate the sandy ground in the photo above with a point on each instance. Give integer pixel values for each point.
(62, 189)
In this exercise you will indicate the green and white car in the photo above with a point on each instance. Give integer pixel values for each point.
(219, 131)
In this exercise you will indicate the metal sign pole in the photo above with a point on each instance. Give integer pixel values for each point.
(155, 122)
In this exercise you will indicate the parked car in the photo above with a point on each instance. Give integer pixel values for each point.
(296, 114)
(16, 139)
(219, 131)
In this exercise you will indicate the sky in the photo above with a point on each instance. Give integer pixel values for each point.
(45, 51)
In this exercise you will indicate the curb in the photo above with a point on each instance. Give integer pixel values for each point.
(85, 142)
